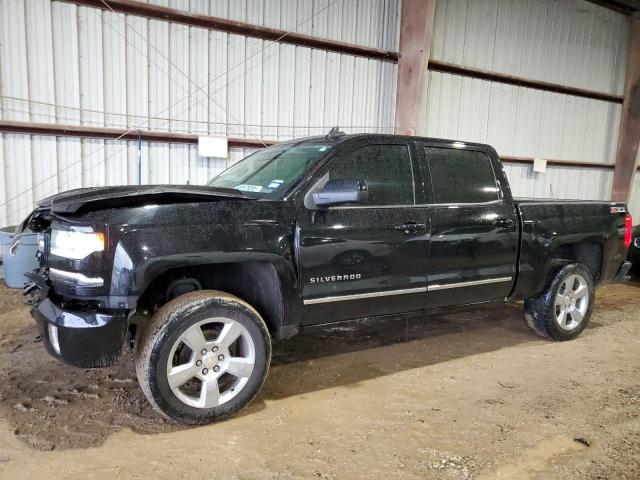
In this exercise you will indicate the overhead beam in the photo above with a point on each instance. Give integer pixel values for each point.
(78, 131)
(416, 36)
(437, 66)
(559, 163)
(629, 137)
(614, 5)
(131, 7)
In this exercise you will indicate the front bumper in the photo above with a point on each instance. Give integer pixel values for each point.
(86, 339)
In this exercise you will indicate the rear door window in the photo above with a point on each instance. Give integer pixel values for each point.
(461, 176)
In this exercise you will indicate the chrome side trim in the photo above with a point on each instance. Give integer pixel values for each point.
(359, 296)
(418, 205)
(356, 207)
(386, 293)
(74, 278)
(445, 286)
(467, 204)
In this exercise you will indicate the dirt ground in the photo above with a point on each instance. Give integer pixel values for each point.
(471, 394)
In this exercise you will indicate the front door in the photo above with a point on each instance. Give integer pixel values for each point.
(366, 260)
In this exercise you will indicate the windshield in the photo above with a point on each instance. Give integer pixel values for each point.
(269, 173)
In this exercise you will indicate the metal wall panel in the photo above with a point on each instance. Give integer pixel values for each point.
(372, 23)
(5, 208)
(70, 163)
(61, 63)
(101, 68)
(18, 175)
(91, 66)
(66, 63)
(159, 76)
(115, 75)
(136, 64)
(14, 67)
(523, 122)
(634, 200)
(520, 121)
(570, 42)
(159, 163)
(559, 182)
(40, 60)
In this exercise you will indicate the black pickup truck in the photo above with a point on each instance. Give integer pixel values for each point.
(200, 279)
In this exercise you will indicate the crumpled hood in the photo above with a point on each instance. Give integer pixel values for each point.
(95, 198)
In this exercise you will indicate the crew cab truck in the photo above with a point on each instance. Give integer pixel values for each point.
(200, 279)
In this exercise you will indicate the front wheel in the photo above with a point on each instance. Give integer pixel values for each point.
(564, 308)
(203, 357)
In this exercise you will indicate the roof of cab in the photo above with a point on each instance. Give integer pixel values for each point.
(344, 137)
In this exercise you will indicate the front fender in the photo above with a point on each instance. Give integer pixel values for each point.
(141, 255)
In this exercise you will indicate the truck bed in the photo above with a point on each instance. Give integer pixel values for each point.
(555, 201)
(582, 230)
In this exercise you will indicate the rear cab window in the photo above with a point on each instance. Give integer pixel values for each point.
(461, 176)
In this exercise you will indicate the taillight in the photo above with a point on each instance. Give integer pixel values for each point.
(628, 223)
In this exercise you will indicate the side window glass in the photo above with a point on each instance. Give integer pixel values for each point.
(385, 168)
(461, 176)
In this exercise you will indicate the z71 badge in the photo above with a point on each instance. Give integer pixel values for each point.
(335, 278)
(618, 210)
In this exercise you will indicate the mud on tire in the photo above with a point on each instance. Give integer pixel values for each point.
(171, 331)
(542, 312)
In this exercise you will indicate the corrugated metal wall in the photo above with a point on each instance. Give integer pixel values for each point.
(60, 63)
(371, 23)
(634, 200)
(570, 42)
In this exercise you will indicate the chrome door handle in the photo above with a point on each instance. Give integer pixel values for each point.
(410, 227)
(504, 222)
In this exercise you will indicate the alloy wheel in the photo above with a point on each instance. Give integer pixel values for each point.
(211, 362)
(571, 302)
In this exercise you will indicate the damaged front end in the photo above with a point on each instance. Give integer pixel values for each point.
(77, 335)
(74, 327)
(38, 286)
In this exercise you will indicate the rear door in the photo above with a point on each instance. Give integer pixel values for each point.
(473, 226)
(367, 260)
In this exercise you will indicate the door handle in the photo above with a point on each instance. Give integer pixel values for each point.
(503, 222)
(410, 227)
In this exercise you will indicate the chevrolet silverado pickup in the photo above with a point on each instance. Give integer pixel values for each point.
(198, 280)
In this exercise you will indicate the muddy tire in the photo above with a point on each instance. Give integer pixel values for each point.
(203, 357)
(564, 308)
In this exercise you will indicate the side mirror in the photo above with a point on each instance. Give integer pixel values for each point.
(336, 192)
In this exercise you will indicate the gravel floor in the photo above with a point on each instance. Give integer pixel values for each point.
(470, 394)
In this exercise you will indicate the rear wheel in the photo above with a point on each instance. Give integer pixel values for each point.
(564, 308)
(204, 356)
